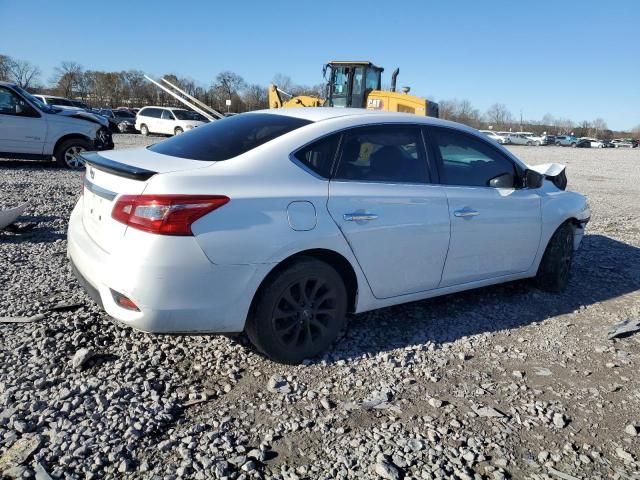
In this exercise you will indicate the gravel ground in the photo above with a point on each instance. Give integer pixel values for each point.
(500, 382)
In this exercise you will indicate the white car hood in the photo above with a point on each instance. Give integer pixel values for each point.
(79, 113)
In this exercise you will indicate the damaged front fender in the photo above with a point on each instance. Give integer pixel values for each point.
(555, 172)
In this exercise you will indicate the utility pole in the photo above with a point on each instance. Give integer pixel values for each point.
(521, 127)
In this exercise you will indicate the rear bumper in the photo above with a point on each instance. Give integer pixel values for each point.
(175, 286)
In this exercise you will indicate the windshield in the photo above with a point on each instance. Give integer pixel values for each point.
(187, 115)
(229, 137)
(36, 101)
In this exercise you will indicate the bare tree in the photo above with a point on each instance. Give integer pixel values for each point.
(5, 68)
(255, 97)
(67, 78)
(498, 115)
(23, 73)
(226, 87)
(598, 126)
(283, 82)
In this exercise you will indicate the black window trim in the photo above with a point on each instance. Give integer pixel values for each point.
(431, 165)
(439, 162)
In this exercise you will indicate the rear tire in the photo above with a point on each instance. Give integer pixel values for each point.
(298, 312)
(144, 130)
(67, 153)
(555, 267)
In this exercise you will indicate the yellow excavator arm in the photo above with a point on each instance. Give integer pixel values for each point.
(276, 101)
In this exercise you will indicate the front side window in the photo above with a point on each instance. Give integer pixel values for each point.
(229, 137)
(470, 161)
(385, 153)
(319, 156)
(12, 104)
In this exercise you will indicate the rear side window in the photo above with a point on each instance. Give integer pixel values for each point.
(319, 156)
(150, 112)
(167, 115)
(229, 137)
(387, 153)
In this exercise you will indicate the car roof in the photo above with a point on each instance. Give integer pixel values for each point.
(164, 108)
(317, 114)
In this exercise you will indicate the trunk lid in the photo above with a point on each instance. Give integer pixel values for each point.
(113, 173)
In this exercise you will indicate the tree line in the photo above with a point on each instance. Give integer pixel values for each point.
(129, 88)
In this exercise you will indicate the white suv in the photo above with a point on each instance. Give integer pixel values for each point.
(168, 121)
(32, 130)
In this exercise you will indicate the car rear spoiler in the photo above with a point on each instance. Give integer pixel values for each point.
(555, 172)
(92, 159)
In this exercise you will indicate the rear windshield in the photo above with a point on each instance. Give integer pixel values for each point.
(229, 137)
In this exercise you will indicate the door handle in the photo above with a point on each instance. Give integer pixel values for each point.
(466, 212)
(359, 217)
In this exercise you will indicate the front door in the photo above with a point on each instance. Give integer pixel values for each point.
(22, 128)
(395, 221)
(495, 224)
(167, 122)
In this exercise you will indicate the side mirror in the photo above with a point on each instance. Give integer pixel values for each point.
(533, 179)
(505, 180)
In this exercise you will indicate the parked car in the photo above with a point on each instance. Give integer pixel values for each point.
(525, 138)
(62, 102)
(31, 129)
(280, 222)
(168, 121)
(548, 140)
(593, 142)
(566, 140)
(583, 143)
(125, 121)
(607, 144)
(494, 136)
(505, 135)
(625, 143)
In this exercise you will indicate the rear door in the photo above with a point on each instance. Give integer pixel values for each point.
(394, 219)
(167, 122)
(495, 224)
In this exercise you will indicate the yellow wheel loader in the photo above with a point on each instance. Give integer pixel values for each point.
(358, 85)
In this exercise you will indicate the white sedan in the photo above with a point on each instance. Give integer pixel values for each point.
(279, 223)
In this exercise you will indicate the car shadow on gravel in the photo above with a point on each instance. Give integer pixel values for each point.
(603, 269)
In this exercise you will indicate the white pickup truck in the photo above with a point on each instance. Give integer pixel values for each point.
(32, 130)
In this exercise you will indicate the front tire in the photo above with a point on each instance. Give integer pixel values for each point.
(144, 130)
(574, 145)
(67, 154)
(178, 131)
(555, 267)
(298, 312)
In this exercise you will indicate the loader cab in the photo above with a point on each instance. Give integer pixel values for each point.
(349, 83)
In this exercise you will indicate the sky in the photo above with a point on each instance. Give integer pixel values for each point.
(572, 59)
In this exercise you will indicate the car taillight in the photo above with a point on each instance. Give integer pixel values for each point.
(165, 214)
